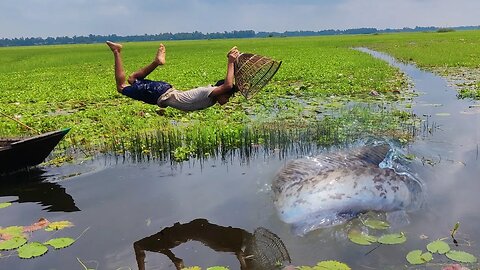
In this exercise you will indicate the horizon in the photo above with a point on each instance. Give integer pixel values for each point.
(256, 32)
(55, 18)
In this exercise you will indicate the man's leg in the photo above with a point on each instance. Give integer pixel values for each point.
(119, 71)
(157, 61)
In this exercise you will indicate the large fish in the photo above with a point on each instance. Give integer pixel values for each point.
(331, 188)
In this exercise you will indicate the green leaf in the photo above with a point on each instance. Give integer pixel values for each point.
(5, 204)
(376, 224)
(13, 243)
(58, 225)
(417, 257)
(331, 265)
(455, 229)
(12, 231)
(32, 250)
(61, 242)
(392, 239)
(438, 246)
(361, 238)
(217, 268)
(461, 256)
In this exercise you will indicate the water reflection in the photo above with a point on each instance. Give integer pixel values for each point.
(31, 186)
(259, 250)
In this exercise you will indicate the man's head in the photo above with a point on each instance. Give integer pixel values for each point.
(222, 99)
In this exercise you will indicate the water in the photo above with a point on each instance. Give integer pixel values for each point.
(115, 204)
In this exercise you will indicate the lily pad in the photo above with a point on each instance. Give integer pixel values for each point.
(376, 224)
(58, 225)
(217, 268)
(331, 265)
(392, 239)
(418, 257)
(61, 242)
(461, 256)
(12, 243)
(32, 250)
(12, 231)
(5, 204)
(438, 246)
(361, 238)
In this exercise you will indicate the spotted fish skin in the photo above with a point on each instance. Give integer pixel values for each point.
(331, 188)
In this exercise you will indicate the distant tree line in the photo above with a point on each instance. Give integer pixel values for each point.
(4, 42)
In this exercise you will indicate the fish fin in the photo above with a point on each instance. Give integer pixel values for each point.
(372, 154)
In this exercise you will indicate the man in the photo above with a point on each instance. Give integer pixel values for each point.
(162, 93)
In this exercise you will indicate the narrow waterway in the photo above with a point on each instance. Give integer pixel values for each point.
(121, 209)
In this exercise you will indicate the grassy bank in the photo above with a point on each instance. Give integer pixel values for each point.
(455, 55)
(73, 86)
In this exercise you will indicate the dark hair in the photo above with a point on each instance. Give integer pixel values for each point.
(231, 91)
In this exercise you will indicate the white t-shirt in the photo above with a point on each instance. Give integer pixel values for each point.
(191, 100)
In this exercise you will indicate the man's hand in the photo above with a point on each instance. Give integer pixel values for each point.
(233, 54)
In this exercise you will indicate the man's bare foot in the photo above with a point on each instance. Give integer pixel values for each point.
(115, 47)
(160, 57)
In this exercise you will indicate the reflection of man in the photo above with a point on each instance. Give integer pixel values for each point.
(219, 238)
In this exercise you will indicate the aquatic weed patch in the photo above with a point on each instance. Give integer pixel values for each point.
(223, 139)
(52, 87)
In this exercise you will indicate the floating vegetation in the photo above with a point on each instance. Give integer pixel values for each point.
(331, 265)
(438, 246)
(58, 225)
(443, 248)
(461, 256)
(392, 239)
(419, 257)
(59, 243)
(283, 138)
(13, 243)
(31, 250)
(361, 238)
(376, 224)
(5, 204)
(16, 238)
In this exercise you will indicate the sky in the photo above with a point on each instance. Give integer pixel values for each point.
(44, 18)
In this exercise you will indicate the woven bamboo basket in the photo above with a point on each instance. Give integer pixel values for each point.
(252, 72)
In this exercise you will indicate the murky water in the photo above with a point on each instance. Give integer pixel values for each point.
(124, 213)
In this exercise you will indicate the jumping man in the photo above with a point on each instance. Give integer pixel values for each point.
(164, 94)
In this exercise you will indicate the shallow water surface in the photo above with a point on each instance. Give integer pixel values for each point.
(120, 208)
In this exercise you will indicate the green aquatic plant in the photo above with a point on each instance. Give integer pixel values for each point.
(376, 224)
(330, 265)
(443, 248)
(419, 257)
(392, 239)
(361, 238)
(61, 242)
(58, 225)
(71, 86)
(5, 204)
(438, 246)
(461, 256)
(12, 243)
(16, 238)
(31, 250)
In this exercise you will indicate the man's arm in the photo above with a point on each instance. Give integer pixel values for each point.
(228, 84)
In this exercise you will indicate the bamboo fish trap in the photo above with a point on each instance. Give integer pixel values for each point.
(252, 72)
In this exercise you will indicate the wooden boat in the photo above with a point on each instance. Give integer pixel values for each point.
(21, 153)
